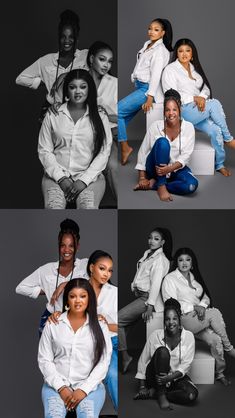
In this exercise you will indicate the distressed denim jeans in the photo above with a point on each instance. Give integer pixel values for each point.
(111, 379)
(129, 106)
(89, 198)
(212, 122)
(89, 407)
(212, 330)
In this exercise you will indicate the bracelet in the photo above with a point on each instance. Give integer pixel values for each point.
(60, 389)
(61, 179)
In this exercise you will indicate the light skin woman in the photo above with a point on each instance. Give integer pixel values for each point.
(158, 29)
(186, 53)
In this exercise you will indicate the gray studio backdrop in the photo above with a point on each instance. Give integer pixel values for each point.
(209, 24)
(32, 31)
(209, 233)
(29, 240)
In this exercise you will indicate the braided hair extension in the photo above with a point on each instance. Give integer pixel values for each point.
(173, 304)
(174, 95)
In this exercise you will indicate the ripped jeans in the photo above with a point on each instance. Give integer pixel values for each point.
(89, 198)
(212, 331)
(212, 122)
(89, 407)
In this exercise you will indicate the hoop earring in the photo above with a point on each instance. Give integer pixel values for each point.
(67, 307)
(66, 99)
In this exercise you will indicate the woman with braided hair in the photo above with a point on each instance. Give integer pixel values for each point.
(165, 152)
(51, 278)
(50, 68)
(166, 360)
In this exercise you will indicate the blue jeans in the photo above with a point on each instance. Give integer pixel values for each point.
(129, 107)
(111, 379)
(89, 407)
(43, 321)
(180, 182)
(212, 122)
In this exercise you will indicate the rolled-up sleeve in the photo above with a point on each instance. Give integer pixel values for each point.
(145, 149)
(31, 285)
(31, 76)
(188, 145)
(144, 360)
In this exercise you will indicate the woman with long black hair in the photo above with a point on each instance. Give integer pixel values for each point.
(185, 74)
(74, 356)
(185, 283)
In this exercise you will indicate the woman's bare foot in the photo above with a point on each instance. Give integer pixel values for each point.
(163, 194)
(230, 144)
(126, 360)
(162, 401)
(225, 171)
(224, 381)
(126, 151)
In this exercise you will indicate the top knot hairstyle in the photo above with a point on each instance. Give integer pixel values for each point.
(166, 26)
(68, 226)
(69, 18)
(174, 95)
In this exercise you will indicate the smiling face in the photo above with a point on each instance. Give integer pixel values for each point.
(67, 39)
(172, 113)
(101, 270)
(67, 249)
(184, 263)
(171, 321)
(102, 61)
(78, 300)
(155, 31)
(77, 92)
(184, 54)
(155, 240)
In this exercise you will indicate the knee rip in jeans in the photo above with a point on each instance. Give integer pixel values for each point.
(87, 406)
(86, 199)
(55, 198)
(55, 407)
(192, 187)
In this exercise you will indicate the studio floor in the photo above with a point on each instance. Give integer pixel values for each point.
(214, 192)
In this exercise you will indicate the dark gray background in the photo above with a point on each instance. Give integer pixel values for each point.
(209, 24)
(210, 234)
(28, 240)
(29, 31)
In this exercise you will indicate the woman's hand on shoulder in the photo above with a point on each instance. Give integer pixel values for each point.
(102, 318)
(200, 102)
(57, 293)
(200, 311)
(53, 109)
(148, 105)
(53, 318)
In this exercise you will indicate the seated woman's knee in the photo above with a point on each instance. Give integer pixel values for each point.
(192, 185)
(192, 394)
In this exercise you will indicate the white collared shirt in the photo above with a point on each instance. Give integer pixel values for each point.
(156, 340)
(185, 141)
(176, 286)
(44, 69)
(107, 95)
(149, 67)
(149, 275)
(44, 278)
(66, 148)
(65, 357)
(176, 77)
(107, 304)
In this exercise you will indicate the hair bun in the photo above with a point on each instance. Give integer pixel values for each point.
(68, 16)
(172, 93)
(68, 225)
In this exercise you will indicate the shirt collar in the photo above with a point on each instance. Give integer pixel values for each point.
(155, 253)
(163, 334)
(55, 57)
(161, 127)
(179, 275)
(179, 65)
(64, 109)
(64, 318)
(160, 41)
(56, 265)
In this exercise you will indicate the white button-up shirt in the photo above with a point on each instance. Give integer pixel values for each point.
(149, 67)
(156, 340)
(176, 286)
(107, 304)
(45, 68)
(184, 142)
(44, 278)
(66, 148)
(65, 357)
(149, 275)
(107, 95)
(176, 77)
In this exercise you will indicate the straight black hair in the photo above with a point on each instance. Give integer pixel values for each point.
(166, 26)
(95, 48)
(167, 237)
(92, 312)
